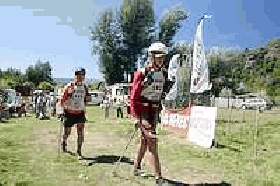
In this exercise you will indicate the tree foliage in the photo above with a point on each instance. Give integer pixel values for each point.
(121, 37)
(170, 24)
(39, 73)
(106, 34)
(45, 86)
(263, 74)
(25, 83)
(257, 69)
(137, 21)
(11, 78)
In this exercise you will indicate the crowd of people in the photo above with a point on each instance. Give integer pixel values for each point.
(44, 105)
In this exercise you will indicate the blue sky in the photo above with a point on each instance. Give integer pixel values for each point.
(57, 30)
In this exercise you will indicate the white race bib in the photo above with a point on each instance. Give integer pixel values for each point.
(76, 101)
(153, 86)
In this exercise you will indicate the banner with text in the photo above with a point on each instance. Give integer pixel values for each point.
(175, 121)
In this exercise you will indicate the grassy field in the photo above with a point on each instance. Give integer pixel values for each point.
(248, 152)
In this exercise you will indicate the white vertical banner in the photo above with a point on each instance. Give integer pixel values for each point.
(173, 75)
(200, 75)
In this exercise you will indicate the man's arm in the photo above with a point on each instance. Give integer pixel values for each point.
(87, 95)
(67, 92)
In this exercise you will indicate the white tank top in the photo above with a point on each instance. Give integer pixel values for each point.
(77, 100)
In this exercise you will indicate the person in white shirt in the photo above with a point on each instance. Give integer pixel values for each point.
(73, 102)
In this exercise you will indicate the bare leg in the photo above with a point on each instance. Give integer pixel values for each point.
(80, 140)
(141, 153)
(67, 132)
(152, 147)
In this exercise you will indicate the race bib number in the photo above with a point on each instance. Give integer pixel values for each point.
(76, 105)
(77, 100)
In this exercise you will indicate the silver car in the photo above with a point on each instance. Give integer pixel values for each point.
(254, 104)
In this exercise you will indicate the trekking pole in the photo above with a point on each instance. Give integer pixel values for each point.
(59, 137)
(118, 162)
(126, 147)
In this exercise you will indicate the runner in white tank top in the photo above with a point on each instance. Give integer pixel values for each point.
(73, 102)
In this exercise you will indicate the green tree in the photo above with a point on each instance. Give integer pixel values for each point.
(45, 85)
(169, 25)
(11, 78)
(263, 73)
(39, 73)
(106, 34)
(93, 86)
(137, 21)
(122, 37)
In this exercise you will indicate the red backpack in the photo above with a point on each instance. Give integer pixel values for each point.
(135, 95)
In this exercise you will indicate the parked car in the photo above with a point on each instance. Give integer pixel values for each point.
(13, 101)
(254, 103)
(96, 97)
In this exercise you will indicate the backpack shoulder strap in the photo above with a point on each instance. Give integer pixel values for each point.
(86, 87)
(165, 73)
(86, 92)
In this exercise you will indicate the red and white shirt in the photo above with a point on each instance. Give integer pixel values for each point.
(74, 98)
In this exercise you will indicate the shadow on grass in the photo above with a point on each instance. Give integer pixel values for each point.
(4, 121)
(24, 183)
(178, 183)
(92, 105)
(71, 153)
(174, 182)
(110, 159)
(238, 141)
(90, 121)
(46, 118)
(170, 182)
(221, 146)
(230, 121)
